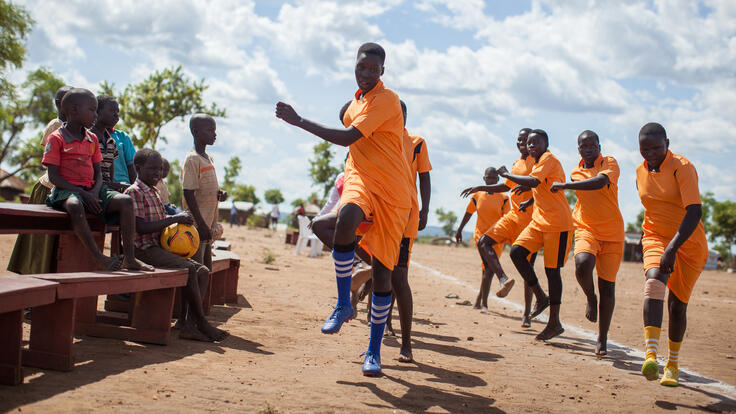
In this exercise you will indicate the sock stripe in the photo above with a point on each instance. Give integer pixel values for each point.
(381, 307)
(343, 262)
(380, 314)
(376, 320)
(344, 268)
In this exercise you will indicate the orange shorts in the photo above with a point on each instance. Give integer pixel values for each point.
(508, 227)
(689, 262)
(412, 226)
(383, 237)
(608, 254)
(556, 245)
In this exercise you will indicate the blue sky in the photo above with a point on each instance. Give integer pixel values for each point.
(472, 74)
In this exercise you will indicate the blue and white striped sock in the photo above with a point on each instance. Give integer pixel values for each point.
(379, 313)
(343, 273)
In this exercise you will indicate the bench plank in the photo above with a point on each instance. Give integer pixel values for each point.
(79, 285)
(20, 292)
(38, 219)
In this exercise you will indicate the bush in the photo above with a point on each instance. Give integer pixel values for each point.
(256, 220)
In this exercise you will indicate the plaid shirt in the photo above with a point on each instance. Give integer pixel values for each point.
(146, 205)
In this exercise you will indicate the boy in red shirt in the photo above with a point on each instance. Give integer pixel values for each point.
(73, 157)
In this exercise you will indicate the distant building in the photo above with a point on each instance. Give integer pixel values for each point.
(245, 210)
(11, 187)
(632, 247)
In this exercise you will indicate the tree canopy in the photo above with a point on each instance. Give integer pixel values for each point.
(273, 196)
(321, 171)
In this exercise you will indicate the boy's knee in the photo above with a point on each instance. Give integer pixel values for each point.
(518, 253)
(484, 242)
(74, 208)
(349, 218)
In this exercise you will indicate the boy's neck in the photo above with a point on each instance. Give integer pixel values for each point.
(76, 130)
(200, 148)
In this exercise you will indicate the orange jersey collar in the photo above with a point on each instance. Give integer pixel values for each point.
(378, 87)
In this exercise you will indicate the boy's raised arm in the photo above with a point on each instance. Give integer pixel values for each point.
(495, 188)
(342, 137)
(593, 183)
(524, 180)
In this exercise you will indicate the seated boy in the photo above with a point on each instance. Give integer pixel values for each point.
(150, 220)
(72, 156)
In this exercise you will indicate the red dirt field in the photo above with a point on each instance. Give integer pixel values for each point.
(276, 359)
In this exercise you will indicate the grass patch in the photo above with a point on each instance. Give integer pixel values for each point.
(268, 257)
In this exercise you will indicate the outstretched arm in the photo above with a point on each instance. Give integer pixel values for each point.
(459, 233)
(594, 183)
(342, 137)
(524, 180)
(495, 188)
(693, 214)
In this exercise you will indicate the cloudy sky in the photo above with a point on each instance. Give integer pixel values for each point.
(471, 72)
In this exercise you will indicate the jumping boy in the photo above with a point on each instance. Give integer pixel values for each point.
(549, 229)
(675, 247)
(150, 220)
(490, 207)
(507, 229)
(73, 157)
(599, 230)
(377, 186)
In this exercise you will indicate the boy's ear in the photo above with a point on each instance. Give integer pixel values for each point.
(666, 143)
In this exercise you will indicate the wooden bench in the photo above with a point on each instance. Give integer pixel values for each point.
(223, 286)
(16, 294)
(75, 311)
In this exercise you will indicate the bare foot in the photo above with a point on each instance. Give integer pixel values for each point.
(405, 355)
(526, 321)
(540, 306)
(550, 332)
(484, 309)
(212, 333)
(591, 309)
(190, 332)
(135, 264)
(389, 331)
(110, 263)
(601, 346)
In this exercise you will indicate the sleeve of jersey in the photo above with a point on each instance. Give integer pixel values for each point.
(542, 169)
(380, 109)
(190, 174)
(610, 169)
(97, 155)
(423, 164)
(471, 208)
(687, 179)
(52, 152)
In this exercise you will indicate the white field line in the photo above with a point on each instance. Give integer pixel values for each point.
(701, 380)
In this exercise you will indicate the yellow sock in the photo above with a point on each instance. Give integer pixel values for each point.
(674, 357)
(651, 341)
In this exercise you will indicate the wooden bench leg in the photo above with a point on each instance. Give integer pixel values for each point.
(11, 325)
(52, 328)
(151, 317)
(218, 282)
(231, 283)
(207, 299)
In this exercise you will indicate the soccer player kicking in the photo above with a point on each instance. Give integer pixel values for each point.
(549, 229)
(378, 187)
(599, 230)
(675, 247)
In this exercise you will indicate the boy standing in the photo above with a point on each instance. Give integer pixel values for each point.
(490, 207)
(599, 230)
(675, 247)
(377, 186)
(73, 157)
(549, 229)
(151, 219)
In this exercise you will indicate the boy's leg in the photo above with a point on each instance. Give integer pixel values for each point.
(74, 207)
(554, 327)
(584, 265)
(343, 253)
(655, 287)
(381, 302)
(490, 257)
(404, 300)
(526, 320)
(519, 255)
(123, 205)
(324, 228)
(607, 291)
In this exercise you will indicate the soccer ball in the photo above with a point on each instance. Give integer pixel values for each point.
(181, 239)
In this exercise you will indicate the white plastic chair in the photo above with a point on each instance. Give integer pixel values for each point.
(315, 246)
(304, 234)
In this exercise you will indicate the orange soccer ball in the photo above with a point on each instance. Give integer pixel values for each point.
(181, 239)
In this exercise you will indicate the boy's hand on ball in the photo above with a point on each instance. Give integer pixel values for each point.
(184, 218)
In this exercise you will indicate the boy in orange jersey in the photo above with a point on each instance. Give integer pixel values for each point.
(378, 186)
(599, 230)
(675, 247)
(490, 207)
(549, 229)
(508, 228)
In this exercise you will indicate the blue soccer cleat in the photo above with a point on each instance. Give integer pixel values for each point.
(371, 364)
(340, 315)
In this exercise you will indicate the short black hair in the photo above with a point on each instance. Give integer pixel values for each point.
(403, 110)
(590, 133)
(491, 169)
(166, 163)
(653, 129)
(103, 100)
(61, 92)
(525, 131)
(142, 156)
(74, 97)
(199, 118)
(541, 133)
(373, 49)
(344, 109)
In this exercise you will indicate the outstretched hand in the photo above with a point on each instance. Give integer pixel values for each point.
(287, 113)
(459, 237)
(502, 171)
(519, 189)
(468, 191)
(555, 187)
(526, 204)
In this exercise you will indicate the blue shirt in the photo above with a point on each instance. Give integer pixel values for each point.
(126, 151)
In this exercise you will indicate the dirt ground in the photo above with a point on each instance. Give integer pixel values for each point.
(276, 359)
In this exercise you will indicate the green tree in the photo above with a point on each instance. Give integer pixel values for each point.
(723, 226)
(19, 113)
(15, 25)
(273, 196)
(164, 96)
(243, 192)
(321, 171)
(232, 170)
(571, 198)
(636, 227)
(174, 184)
(448, 219)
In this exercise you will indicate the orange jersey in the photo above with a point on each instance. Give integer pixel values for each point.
(378, 157)
(415, 151)
(490, 208)
(551, 211)
(666, 193)
(597, 210)
(522, 166)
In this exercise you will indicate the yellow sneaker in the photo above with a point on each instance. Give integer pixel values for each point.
(671, 377)
(650, 369)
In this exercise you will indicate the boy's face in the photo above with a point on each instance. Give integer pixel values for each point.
(151, 172)
(490, 177)
(521, 144)
(109, 115)
(589, 148)
(368, 71)
(653, 149)
(206, 131)
(85, 112)
(536, 144)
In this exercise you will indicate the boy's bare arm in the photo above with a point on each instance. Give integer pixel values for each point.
(593, 183)
(342, 137)
(693, 214)
(524, 180)
(202, 227)
(495, 188)
(425, 191)
(143, 226)
(459, 232)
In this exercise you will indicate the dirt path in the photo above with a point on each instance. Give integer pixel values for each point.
(276, 358)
